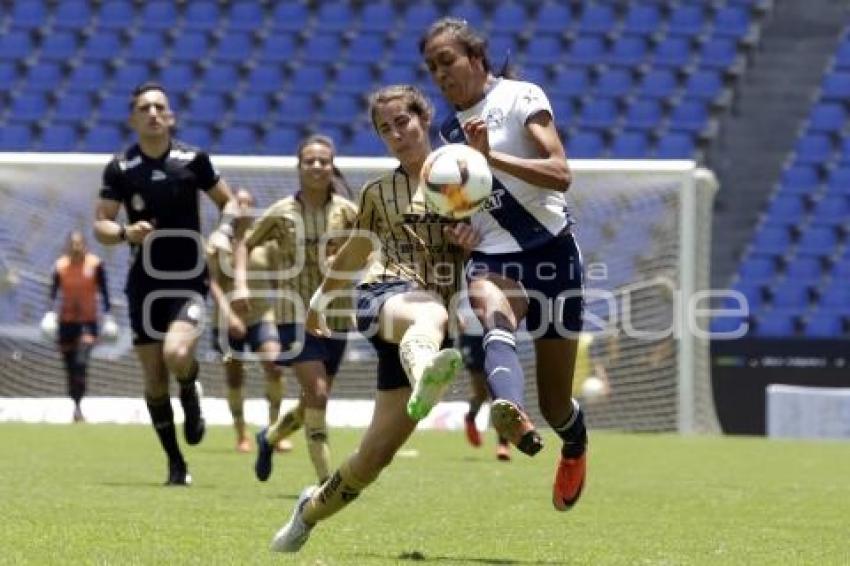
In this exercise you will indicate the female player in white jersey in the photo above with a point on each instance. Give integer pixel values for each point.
(527, 265)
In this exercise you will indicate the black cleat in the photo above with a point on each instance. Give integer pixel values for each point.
(178, 474)
(263, 464)
(194, 426)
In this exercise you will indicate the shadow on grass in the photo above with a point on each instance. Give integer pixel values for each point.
(417, 556)
(158, 485)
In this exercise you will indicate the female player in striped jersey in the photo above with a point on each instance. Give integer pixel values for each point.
(527, 264)
(401, 305)
(302, 228)
(231, 332)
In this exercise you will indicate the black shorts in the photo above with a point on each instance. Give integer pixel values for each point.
(552, 276)
(70, 332)
(300, 346)
(153, 312)
(255, 336)
(471, 347)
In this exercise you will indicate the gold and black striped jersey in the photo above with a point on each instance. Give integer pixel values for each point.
(413, 246)
(261, 304)
(304, 238)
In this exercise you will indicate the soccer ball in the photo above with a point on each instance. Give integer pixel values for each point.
(593, 389)
(456, 180)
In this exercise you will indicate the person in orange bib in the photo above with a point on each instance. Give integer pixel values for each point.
(79, 275)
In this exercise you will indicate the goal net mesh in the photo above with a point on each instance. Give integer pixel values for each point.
(643, 227)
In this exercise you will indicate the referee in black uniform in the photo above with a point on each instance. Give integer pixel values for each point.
(157, 181)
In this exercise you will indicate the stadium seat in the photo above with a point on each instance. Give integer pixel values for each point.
(804, 269)
(771, 240)
(265, 79)
(832, 210)
(405, 49)
(236, 47)
(278, 47)
(537, 74)
(102, 139)
(704, 84)
(836, 297)
(675, 145)
(201, 16)
(15, 45)
(72, 107)
(290, 16)
(824, 325)
(544, 50)
(642, 19)
(15, 137)
(322, 47)
(585, 145)
(842, 56)
(115, 15)
(128, 76)
(354, 79)
(365, 142)
(335, 15)
(801, 179)
(614, 82)
(657, 83)
(630, 145)
(101, 46)
(752, 292)
(570, 82)
(553, 17)
(672, 52)
(397, 74)
(366, 48)
(58, 137)
(28, 106)
(818, 241)
(159, 15)
(508, 16)
(87, 77)
(598, 114)
(812, 149)
(841, 268)
(689, 116)
(836, 86)
(378, 16)
(596, 19)
(147, 46)
(790, 294)
(250, 108)
(198, 135)
(628, 51)
(190, 46)
(293, 108)
(775, 324)
(419, 15)
(336, 132)
(732, 21)
(686, 20)
(498, 47)
(245, 15)
(721, 54)
(757, 269)
(643, 115)
(113, 109)
(72, 15)
(585, 50)
(28, 15)
(207, 108)
(308, 79)
(786, 209)
(564, 111)
(59, 46)
(827, 117)
(219, 78)
(281, 140)
(236, 140)
(838, 182)
(44, 76)
(728, 324)
(177, 78)
(469, 11)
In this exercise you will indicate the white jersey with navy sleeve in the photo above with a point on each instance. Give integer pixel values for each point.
(518, 216)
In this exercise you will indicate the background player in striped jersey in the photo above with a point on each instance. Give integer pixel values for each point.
(79, 275)
(305, 229)
(527, 264)
(157, 181)
(401, 305)
(232, 333)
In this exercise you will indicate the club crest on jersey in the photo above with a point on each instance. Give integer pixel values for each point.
(157, 175)
(137, 203)
(494, 201)
(494, 118)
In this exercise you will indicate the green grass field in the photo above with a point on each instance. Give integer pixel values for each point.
(91, 495)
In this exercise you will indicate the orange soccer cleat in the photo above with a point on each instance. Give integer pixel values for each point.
(472, 434)
(569, 481)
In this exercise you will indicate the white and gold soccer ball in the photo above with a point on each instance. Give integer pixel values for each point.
(456, 180)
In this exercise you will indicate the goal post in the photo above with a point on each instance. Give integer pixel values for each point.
(644, 228)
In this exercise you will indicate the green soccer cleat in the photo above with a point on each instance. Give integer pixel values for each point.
(436, 378)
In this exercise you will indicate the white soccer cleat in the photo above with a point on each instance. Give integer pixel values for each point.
(292, 536)
(436, 378)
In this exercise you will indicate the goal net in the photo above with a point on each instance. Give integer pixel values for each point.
(643, 227)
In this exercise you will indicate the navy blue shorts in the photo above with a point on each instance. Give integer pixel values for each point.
(255, 336)
(552, 275)
(471, 346)
(70, 332)
(300, 346)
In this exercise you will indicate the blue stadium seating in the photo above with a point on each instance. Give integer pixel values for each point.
(202, 16)
(553, 17)
(598, 114)
(290, 16)
(379, 16)
(672, 51)
(115, 15)
(658, 83)
(236, 140)
(308, 79)
(72, 14)
(235, 47)
(15, 45)
(335, 15)
(366, 48)
(508, 17)
(281, 140)
(469, 11)
(586, 145)
(628, 51)
(197, 135)
(545, 50)
(675, 145)
(630, 145)
(419, 15)
(266, 79)
(102, 139)
(614, 82)
(686, 20)
(643, 115)
(597, 19)
(159, 15)
(28, 15)
(250, 108)
(585, 50)
(28, 106)
(219, 78)
(207, 108)
(365, 142)
(15, 137)
(279, 47)
(74, 107)
(59, 46)
(293, 107)
(177, 77)
(757, 269)
(323, 47)
(102, 46)
(775, 323)
(44, 76)
(245, 15)
(190, 46)
(353, 79)
(642, 19)
(824, 325)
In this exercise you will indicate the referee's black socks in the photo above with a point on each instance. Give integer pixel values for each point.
(162, 418)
